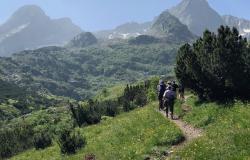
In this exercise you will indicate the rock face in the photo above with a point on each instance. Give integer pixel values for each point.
(30, 28)
(82, 40)
(197, 15)
(242, 25)
(166, 25)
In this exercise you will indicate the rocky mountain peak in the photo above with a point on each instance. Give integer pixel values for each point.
(197, 15)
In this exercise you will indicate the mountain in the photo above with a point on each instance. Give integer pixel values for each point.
(168, 26)
(125, 31)
(82, 40)
(197, 15)
(29, 27)
(242, 25)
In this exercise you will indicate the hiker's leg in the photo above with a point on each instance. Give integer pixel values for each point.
(160, 104)
(182, 96)
(166, 105)
(172, 109)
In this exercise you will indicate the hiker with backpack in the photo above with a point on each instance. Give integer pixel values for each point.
(169, 97)
(161, 87)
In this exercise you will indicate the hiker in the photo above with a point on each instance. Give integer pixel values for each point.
(169, 84)
(181, 92)
(169, 98)
(161, 87)
(175, 86)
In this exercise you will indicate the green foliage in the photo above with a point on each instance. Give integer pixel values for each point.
(216, 66)
(70, 142)
(42, 140)
(32, 130)
(133, 96)
(88, 113)
(16, 139)
(9, 90)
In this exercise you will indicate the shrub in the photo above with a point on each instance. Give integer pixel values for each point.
(111, 110)
(141, 99)
(93, 117)
(128, 106)
(15, 139)
(85, 114)
(42, 140)
(70, 141)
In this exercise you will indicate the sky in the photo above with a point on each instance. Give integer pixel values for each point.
(93, 15)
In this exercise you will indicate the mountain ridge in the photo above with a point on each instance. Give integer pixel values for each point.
(243, 25)
(30, 28)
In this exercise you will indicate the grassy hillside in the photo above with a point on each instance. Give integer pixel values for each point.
(130, 135)
(227, 130)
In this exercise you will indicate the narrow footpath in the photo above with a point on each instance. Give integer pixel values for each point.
(190, 133)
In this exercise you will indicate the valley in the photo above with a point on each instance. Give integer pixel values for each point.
(68, 93)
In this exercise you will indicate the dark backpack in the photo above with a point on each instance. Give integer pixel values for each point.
(174, 87)
(161, 90)
(170, 95)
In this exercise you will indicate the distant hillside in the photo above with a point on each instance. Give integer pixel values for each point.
(242, 25)
(29, 27)
(82, 40)
(144, 39)
(80, 72)
(197, 15)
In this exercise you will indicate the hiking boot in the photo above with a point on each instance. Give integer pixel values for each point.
(172, 115)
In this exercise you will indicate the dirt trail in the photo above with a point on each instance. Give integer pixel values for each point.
(189, 132)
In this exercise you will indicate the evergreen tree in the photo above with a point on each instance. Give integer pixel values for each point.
(216, 66)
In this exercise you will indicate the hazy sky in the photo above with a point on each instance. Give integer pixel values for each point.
(92, 15)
